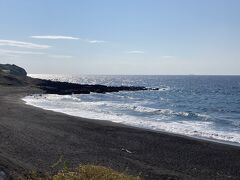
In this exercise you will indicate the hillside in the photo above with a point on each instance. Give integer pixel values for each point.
(12, 69)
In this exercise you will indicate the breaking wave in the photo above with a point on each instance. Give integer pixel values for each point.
(134, 114)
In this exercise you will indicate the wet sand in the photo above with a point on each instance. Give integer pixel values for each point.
(34, 139)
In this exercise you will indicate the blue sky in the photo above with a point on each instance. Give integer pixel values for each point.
(121, 36)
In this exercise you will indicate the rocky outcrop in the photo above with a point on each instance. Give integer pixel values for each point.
(64, 88)
(13, 75)
(12, 70)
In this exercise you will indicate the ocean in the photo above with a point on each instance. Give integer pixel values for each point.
(205, 107)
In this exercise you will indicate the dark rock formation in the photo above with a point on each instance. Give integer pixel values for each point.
(8, 79)
(13, 75)
(63, 88)
(12, 70)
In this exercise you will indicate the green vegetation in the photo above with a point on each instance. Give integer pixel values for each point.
(84, 172)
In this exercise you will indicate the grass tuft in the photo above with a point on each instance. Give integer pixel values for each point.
(84, 172)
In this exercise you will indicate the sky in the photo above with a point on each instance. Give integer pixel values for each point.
(158, 37)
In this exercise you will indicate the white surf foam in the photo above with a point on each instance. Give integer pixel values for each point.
(73, 105)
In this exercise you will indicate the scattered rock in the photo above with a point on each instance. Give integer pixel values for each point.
(3, 175)
(123, 149)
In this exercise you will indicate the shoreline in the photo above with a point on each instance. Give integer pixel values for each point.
(142, 128)
(33, 139)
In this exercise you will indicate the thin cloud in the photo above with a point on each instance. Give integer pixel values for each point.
(136, 52)
(23, 44)
(14, 54)
(95, 41)
(10, 52)
(60, 56)
(53, 37)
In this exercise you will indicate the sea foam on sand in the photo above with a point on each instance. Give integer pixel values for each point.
(73, 105)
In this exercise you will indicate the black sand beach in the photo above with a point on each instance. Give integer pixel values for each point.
(120, 90)
(35, 139)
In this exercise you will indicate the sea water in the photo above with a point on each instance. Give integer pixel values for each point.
(198, 106)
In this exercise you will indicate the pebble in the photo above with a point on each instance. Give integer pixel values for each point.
(3, 175)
